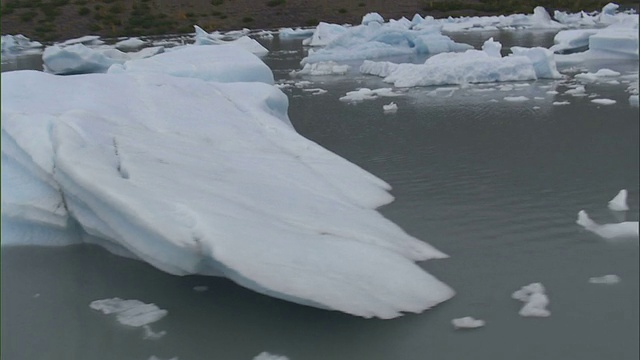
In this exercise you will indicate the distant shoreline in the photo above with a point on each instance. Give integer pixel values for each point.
(57, 20)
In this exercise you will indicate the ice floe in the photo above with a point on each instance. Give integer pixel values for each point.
(200, 288)
(80, 59)
(18, 44)
(471, 66)
(322, 68)
(295, 33)
(390, 108)
(605, 279)
(467, 322)
(619, 202)
(603, 101)
(368, 94)
(516, 98)
(204, 177)
(623, 229)
(129, 44)
(267, 356)
(130, 312)
(245, 42)
(535, 300)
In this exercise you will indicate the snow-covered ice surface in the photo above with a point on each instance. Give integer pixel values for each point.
(204, 177)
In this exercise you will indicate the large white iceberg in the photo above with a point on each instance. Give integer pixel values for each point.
(216, 38)
(471, 66)
(625, 229)
(203, 177)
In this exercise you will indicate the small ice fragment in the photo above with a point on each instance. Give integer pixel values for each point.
(37, 295)
(149, 334)
(536, 107)
(619, 202)
(606, 279)
(266, 356)
(536, 306)
(390, 108)
(130, 312)
(153, 357)
(603, 101)
(634, 100)
(516, 98)
(200, 288)
(561, 103)
(467, 322)
(552, 92)
(533, 295)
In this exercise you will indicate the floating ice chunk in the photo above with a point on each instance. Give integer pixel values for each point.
(153, 357)
(608, 231)
(372, 18)
(267, 356)
(569, 41)
(516, 98)
(467, 322)
(390, 108)
(619, 202)
(263, 206)
(598, 75)
(367, 94)
(533, 295)
(577, 91)
(129, 44)
(149, 334)
(322, 68)
(492, 48)
(558, 103)
(603, 101)
(634, 100)
(215, 38)
(616, 41)
(295, 33)
(324, 33)
(315, 91)
(221, 63)
(200, 288)
(542, 60)
(89, 40)
(536, 306)
(130, 312)
(15, 44)
(79, 59)
(605, 279)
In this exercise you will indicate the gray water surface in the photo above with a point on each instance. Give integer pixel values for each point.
(497, 185)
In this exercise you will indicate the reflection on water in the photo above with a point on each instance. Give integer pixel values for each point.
(496, 185)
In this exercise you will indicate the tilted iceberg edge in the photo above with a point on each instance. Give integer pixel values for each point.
(198, 176)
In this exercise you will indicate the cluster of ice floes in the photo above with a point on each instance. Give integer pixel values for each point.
(625, 229)
(374, 38)
(322, 68)
(195, 168)
(18, 44)
(471, 66)
(535, 300)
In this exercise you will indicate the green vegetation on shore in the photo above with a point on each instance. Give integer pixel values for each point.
(52, 20)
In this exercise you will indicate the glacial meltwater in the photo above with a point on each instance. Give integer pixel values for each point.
(493, 175)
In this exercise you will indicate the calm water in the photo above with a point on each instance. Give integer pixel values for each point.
(496, 185)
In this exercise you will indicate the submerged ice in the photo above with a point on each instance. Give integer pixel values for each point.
(194, 167)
